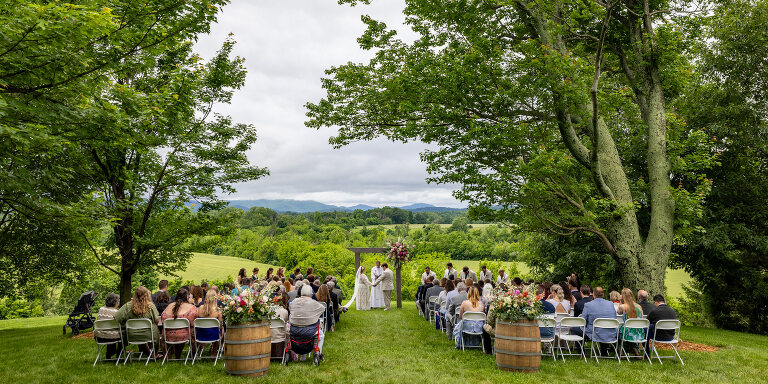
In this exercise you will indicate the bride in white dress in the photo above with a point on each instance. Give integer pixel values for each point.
(362, 291)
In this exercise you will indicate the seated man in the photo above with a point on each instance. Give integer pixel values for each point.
(642, 299)
(597, 308)
(422, 291)
(661, 312)
(453, 305)
(304, 311)
(546, 307)
(434, 290)
(586, 297)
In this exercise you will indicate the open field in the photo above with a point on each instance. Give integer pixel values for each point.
(204, 266)
(368, 348)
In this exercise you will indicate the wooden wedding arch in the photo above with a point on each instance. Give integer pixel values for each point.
(359, 251)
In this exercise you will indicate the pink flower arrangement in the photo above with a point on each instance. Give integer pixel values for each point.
(399, 252)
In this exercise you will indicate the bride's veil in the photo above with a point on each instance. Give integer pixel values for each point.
(357, 288)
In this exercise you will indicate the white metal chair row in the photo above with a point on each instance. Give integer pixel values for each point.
(608, 325)
(134, 336)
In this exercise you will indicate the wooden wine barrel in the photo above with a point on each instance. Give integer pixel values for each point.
(518, 346)
(247, 349)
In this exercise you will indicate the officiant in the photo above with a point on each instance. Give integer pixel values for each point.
(377, 296)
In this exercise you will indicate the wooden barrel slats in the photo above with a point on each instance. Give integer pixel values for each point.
(247, 349)
(518, 346)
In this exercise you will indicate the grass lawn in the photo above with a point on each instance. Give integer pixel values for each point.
(204, 266)
(374, 347)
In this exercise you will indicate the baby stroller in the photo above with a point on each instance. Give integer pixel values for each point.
(81, 317)
(302, 341)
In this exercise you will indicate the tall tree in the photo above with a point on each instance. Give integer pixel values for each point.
(562, 110)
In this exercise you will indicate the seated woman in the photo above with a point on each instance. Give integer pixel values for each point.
(107, 312)
(471, 304)
(442, 302)
(197, 295)
(210, 310)
(630, 310)
(278, 334)
(141, 307)
(324, 296)
(616, 299)
(558, 299)
(280, 274)
(182, 307)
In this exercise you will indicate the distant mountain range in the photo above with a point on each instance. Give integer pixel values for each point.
(303, 206)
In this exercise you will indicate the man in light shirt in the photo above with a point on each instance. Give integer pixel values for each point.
(485, 274)
(449, 271)
(427, 273)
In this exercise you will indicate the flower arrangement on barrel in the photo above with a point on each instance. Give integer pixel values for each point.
(515, 305)
(247, 306)
(398, 252)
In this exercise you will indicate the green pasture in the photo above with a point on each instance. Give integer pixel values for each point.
(204, 266)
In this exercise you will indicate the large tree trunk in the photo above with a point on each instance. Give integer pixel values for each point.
(124, 242)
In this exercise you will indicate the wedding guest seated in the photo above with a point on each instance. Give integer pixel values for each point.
(567, 296)
(661, 312)
(547, 308)
(311, 279)
(487, 288)
(433, 291)
(586, 297)
(574, 289)
(339, 296)
(197, 295)
(288, 286)
(421, 292)
(209, 309)
(615, 299)
(162, 301)
(280, 273)
(335, 302)
(558, 299)
(630, 310)
(296, 289)
(517, 283)
(107, 312)
(595, 309)
(442, 301)
(228, 288)
(255, 274)
(471, 304)
(322, 295)
(204, 286)
(163, 287)
(310, 271)
(304, 311)
(295, 274)
(278, 334)
(141, 307)
(642, 299)
(182, 307)
(454, 304)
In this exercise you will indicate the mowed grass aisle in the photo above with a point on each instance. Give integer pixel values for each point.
(373, 347)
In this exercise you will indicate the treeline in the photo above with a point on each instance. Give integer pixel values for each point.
(260, 217)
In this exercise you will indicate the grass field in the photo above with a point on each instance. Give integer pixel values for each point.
(205, 266)
(375, 347)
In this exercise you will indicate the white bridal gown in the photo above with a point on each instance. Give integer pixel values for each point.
(377, 295)
(363, 296)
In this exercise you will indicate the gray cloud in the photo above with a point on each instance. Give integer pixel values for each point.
(287, 45)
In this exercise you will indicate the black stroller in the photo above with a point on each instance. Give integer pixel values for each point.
(302, 341)
(81, 317)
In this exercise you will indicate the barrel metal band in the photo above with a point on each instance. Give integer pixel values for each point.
(233, 342)
(239, 326)
(246, 357)
(518, 353)
(517, 338)
(247, 372)
(517, 367)
(520, 324)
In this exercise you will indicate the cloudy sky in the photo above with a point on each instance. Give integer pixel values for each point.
(287, 45)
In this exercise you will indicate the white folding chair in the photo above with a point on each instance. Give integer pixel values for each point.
(548, 323)
(324, 318)
(432, 303)
(668, 325)
(576, 339)
(472, 316)
(108, 326)
(606, 325)
(176, 325)
(278, 324)
(620, 319)
(631, 324)
(203, 323)
(135, 336)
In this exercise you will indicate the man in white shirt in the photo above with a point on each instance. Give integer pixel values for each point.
(427, 273)
(502, 278)
(485, 274)
(449, 271)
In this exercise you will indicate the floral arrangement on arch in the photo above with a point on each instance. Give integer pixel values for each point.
(516, 305)
(398, 252)
(249, 306)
